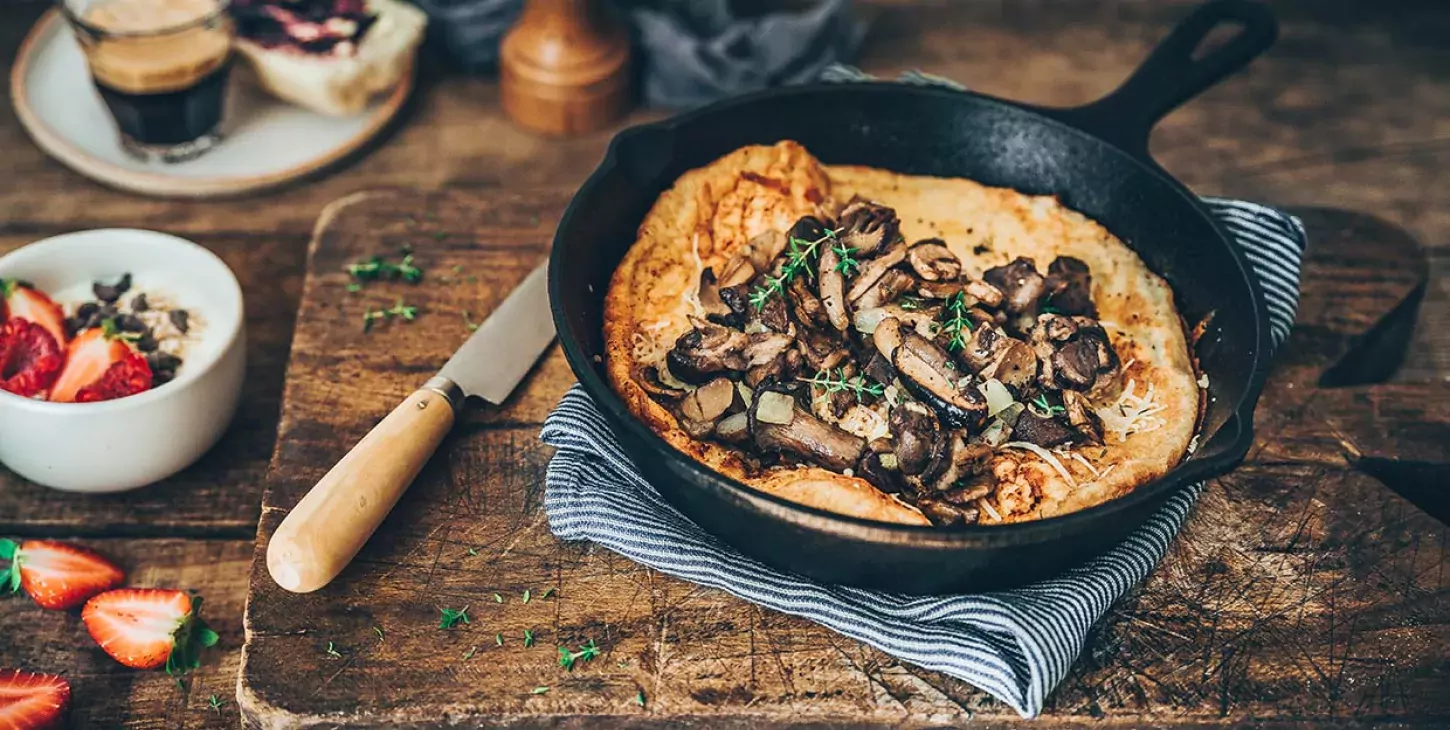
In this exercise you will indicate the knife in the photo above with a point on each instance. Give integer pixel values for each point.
(323, 533)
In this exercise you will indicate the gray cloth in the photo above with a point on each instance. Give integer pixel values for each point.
(468, 32)
(697, 51)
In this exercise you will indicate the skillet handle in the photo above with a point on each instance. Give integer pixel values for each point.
(1171, 75)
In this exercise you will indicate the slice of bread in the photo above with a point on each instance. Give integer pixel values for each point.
(343, 85)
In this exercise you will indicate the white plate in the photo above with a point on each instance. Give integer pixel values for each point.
(268, 142)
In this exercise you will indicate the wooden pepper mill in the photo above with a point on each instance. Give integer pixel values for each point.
(564, 67)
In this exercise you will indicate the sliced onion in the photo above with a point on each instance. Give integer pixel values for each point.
(668, 378)
(775, 407)
(889, 462)
(732, 427)
(756, 327)
(745, 394)
(1010, 414)
(998, 397)
(867, 319)
(996, 433)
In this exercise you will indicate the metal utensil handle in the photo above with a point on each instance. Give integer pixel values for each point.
(1171, 75)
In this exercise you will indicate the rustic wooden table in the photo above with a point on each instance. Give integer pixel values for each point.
(1351, 109)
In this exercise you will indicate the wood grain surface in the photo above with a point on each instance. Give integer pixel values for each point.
(1351, 108)
(1300, 590)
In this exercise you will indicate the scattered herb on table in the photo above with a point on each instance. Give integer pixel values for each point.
(468, 321)
(639, 698)
(541, 690)
(405, 311)
(585, 653)
(378, 268)
(458, 268)
(528, 637)
(216, 703)
(497, 598)
(440, 235)
(856, 384)
(469, 654)
(547, 592)
(180, 684)
(451, 617)
(473, 552)
(527, 595)
(799, 260)
(498, 639)
(332, 651)
(379, 631)
(354, 288)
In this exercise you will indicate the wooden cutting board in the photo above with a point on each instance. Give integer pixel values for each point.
(1301, 590)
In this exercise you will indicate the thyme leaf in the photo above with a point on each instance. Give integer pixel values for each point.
(856, 384)
(798, 260)
(451, 617)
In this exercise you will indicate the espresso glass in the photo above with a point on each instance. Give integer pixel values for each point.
(161, 67)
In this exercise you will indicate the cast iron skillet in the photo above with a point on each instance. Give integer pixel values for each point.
(1094, 157)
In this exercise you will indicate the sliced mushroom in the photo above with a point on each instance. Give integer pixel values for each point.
(1044, 432)
(887, 338)
(716, 310)
(704, 406)
(1069, 287)
(734, 428)
(809, 228)
(648, 378)
(966, 496)
(891, 285)
(938, 289)
(872, 271)
(933, 261)
(775, 314)
(868, 227)
(1081, 417)
(943, 514)
(833, 290)
(807, 437)
(913, 431)
(957, 463)
(1075, 353)
(808, 308)
(928, 372)
(1074, 364)
(993, 354)
(984, 293)
(1020, 284)
(873, 470)
(705, 350)
(737, 299)
(879, 369)
(784, 367)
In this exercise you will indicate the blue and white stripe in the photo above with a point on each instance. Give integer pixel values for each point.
(1016, 645)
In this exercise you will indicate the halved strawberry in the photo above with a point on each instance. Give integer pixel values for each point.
(58, 576)
(32, 701)
(89, 360)
(145, 628)
(26, 302)
(30, 358)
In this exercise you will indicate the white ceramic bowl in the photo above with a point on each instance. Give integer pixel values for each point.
(130, 442)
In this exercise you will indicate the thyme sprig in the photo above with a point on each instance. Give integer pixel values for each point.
(846, 262)
(857, 384)
(378, 268)
(406, 312)
(957, 326)
(798, 260)
(1051, 410)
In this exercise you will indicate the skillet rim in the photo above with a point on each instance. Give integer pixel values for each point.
(922, 536)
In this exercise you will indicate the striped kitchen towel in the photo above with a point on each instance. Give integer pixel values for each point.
(1016, 645)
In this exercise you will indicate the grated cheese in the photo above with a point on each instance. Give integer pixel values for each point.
(1193, 444)
(1108, 471)
(987, 505)
(1087, 464)
(690, 298)
(1046, 456)
(1131, 413)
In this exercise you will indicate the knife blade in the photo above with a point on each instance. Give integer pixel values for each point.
(503, 349)
(322, 534)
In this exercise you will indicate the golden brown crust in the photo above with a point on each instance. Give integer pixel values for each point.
(716, 209)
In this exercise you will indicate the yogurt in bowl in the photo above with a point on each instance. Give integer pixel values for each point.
(110, 433)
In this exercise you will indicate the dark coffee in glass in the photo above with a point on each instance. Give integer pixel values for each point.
(161, 67)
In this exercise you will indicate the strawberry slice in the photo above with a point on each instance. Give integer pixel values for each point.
(145, 628)
(58, 576)
(89, 360)
(23, 301)
(32, 701)
(30, 358)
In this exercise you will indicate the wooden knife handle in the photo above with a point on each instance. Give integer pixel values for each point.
(320, 536)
